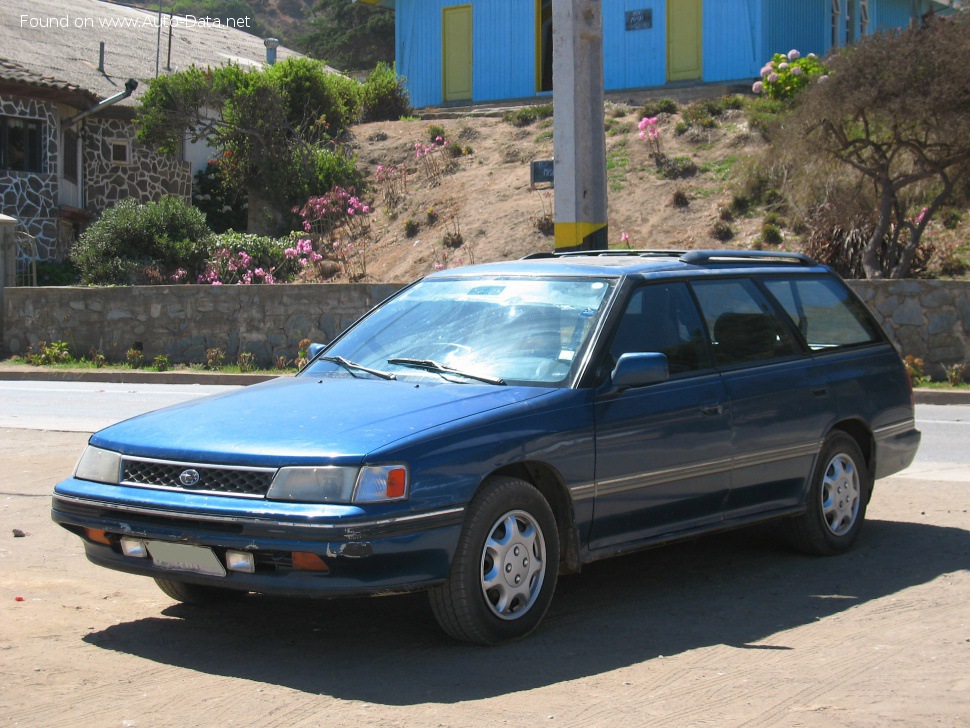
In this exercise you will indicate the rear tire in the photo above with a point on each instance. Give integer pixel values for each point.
(505, 568)
(197, 594)
(837, 499)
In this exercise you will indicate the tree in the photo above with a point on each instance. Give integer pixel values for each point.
(895, 110)
(349, 35)
(275, 130)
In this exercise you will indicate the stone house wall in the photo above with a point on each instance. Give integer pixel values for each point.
(147, 176)
(928, 319)
(31, 197)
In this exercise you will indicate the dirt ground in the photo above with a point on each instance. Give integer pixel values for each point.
(729, 630)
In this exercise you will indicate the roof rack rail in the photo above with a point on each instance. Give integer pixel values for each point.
(621, 253)
(700, 257)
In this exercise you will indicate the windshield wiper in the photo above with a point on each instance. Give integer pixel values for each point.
(433, 366)
(350, 366)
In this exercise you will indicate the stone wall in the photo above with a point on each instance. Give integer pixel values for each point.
(929, 319)
(31, 197)
(181, 322)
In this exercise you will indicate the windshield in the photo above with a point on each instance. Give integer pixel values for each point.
(496, 330)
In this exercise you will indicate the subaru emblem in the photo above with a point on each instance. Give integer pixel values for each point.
(189, 477)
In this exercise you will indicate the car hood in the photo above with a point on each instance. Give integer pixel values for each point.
(303, 420)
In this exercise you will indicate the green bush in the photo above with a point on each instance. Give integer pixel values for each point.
(722, 231)
(224, 205)
(771, 234)
(656, 107)
(60, 273)
(383, 96)
(129, 239)
(527, 114)
(312, 171)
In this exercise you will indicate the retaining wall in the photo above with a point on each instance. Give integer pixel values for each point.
(181, 322)
(929, 319)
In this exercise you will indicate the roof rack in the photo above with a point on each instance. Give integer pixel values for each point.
(622, 253)
(700, 257)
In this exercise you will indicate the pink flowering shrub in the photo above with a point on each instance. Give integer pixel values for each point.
(339, 208)
(432, 160)
(238, 258)
(338, 221)
(648, 130)
(788, 73)
(392, 186)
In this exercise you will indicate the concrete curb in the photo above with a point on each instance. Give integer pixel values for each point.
(17, 373)
(39, 374)
(942, 396)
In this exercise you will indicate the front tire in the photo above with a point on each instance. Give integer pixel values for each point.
(505, 568)
(837, 499)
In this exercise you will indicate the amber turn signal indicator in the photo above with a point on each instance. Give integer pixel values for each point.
(309, 562)
(97, 536)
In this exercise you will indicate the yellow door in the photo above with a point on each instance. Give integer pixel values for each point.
(456, 41)
(683, 40)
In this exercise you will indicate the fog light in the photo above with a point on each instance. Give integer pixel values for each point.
(240, 561)
(134, 547)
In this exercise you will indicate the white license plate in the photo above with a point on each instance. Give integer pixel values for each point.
(182, 557)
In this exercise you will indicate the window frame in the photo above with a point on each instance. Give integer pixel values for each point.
(70, 164)
(114, 144)
(35, 156)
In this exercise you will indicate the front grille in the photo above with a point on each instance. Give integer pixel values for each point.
(212, 479)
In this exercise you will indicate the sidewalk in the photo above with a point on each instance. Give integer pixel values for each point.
(22, 372)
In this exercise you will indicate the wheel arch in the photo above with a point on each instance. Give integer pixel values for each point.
(860, 432)
(546, 479)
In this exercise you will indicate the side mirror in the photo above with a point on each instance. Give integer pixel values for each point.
(639, 370)
(313, 350)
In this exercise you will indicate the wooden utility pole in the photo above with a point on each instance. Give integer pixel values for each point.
(579, 141)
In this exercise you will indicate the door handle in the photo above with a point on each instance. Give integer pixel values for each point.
(712, 410)
(820, 391)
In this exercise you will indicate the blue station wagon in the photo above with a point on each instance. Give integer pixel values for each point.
(489, 428)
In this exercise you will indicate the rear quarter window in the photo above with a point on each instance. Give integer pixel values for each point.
(825, 312)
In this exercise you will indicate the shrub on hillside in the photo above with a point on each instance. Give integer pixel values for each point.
(383, 96)
(129, 240)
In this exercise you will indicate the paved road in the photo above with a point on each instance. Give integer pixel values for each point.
(87, 407)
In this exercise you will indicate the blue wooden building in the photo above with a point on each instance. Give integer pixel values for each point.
(489, 50)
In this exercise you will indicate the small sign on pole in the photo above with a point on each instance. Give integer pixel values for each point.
(639, 19)
(542, 170)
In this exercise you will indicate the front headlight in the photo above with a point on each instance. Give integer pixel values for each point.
(314, 485)
(332, 484)
(101, 466)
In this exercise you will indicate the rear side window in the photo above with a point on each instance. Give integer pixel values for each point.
(828, 316)
(742, 323)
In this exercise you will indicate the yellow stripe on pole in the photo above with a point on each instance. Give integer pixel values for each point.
(581, 236)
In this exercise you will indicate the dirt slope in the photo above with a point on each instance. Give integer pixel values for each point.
(485, 195)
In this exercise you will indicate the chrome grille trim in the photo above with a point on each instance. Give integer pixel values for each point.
(242, 482)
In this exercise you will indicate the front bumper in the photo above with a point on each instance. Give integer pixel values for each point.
(363, 554)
